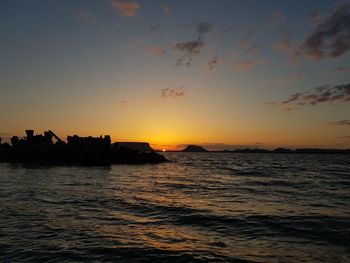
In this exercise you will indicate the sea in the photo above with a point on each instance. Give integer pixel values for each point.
(200, 207)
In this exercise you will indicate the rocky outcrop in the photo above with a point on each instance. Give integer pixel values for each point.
(139, 146)
(194, 148)
(78, 150)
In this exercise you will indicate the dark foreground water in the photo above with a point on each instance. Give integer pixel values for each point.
(200, 208)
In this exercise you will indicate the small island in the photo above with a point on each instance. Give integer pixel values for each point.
(194, 148)
(41, 149)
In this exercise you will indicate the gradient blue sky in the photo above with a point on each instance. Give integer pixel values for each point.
(222, 74)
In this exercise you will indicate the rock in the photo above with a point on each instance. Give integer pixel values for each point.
(194, 148)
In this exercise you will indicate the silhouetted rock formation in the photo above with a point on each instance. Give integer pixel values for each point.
(77, 150)
(140, 146)
(194, 148)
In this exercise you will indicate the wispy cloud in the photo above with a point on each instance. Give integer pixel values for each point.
(172, 93)
(278, 17)
(315, 16)
(212, 63)
(331, 38)
(340, 69)
(286, 45)
(154, 28)
(244, 65)
(190, 50)
(158, 50)
(203, 27)
(252, 49)
(321, 94)
(247, 64)
(340, 123)
(166, 10)
(126, 8)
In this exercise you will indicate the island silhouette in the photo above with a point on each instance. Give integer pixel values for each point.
(194, 148)
(89, 150)
(198, 148)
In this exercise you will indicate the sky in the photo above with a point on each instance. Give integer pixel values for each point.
(218, 73)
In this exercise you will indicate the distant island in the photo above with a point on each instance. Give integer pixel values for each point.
(197, 148)
(194, 148)
(90, 150)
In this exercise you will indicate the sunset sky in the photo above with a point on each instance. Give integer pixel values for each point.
(218, 73)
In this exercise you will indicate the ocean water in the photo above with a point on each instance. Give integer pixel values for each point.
(210, 207)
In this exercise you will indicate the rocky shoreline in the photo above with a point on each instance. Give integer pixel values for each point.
(40, 149)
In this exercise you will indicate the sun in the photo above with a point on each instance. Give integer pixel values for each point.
(163, 150)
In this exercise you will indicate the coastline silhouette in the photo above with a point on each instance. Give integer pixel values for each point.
(197, 148)
(78, 150)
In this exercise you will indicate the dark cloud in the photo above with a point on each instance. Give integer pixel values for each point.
(190, 50)
(154, 28)
(327, 93)
(203, 28)
(252, 49)
(331, 38)
(193, 47)
(171, 93)
(340, 123)
(212, 63)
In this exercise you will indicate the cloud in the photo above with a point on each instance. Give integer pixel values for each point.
(244, 65)
(154, 28)
(315, 16)
(123, 102)
(340, 123)
(212, 63)
(190, 50)
(252, 49)
(247, 64)
(166, 10)
(203, 28)
(326, 93)
(126, 8)
(171, 93)
(285, 44)
(156, 50)
(331, 38)
(340, 69)
(278, 17)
